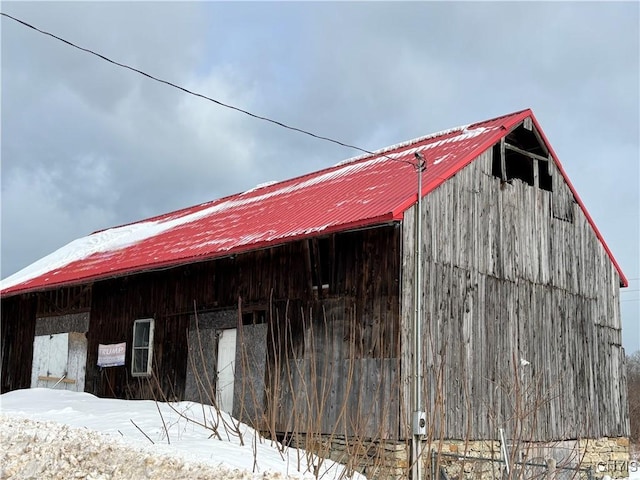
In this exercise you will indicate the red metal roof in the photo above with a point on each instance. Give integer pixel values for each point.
(367, 190)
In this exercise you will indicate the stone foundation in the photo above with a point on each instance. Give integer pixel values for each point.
(382, 460)
(607, 456)
(377, 459)
(591, 458)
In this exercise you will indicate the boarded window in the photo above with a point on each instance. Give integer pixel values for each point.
(142, 350)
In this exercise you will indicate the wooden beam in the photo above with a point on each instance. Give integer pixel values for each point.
(56, 379)
(503, 160)
(540, 141)
(535, 156)
(79, 293)
(528, 124)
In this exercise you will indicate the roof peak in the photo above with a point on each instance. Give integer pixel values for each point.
(430, 136)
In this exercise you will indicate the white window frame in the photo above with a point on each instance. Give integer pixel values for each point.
(137, 372)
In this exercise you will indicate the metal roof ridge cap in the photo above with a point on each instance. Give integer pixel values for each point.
(518, 113)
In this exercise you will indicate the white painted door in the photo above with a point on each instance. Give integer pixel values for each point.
(59, 361)
(226, 370)
(50, 354)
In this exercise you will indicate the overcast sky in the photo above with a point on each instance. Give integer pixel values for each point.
(87, 145)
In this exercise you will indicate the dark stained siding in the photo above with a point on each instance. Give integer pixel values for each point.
(116, 305)
(505, 279)
(24, 316)
(62, 301)
(170, 297)
(18, 329)
(355, 318)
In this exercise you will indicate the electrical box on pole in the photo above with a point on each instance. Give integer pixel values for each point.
(419, 423)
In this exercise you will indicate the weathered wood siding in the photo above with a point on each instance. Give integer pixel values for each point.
(335, 379)
(338, 364)
(510, 275)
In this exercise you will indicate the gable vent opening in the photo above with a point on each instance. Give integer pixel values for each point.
(522, 155)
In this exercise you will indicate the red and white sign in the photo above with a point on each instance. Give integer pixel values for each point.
(111, 355)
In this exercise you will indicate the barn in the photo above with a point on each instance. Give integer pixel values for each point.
(446, 296)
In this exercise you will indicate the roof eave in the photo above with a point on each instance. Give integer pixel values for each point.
(378, 221)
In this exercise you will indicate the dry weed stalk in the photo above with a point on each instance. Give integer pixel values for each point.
(316, 397)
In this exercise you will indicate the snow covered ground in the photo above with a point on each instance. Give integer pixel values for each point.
(634, 467)
(48, 433)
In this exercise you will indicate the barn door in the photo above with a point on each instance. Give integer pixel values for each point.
(59, 361)
(226, 370)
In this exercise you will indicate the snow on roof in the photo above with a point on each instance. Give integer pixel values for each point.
(404, 144)
(363, 191)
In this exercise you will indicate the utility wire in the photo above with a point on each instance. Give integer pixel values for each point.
(196, 94)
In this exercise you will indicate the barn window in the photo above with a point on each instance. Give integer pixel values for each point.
(255, 316)
(142, 350)
(544, 177)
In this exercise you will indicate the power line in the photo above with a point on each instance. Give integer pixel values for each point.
(205, 97)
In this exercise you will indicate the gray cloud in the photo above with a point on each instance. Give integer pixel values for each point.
(86, 145)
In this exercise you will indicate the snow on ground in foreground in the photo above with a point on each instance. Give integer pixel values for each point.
(634, 468)
(178, 443)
